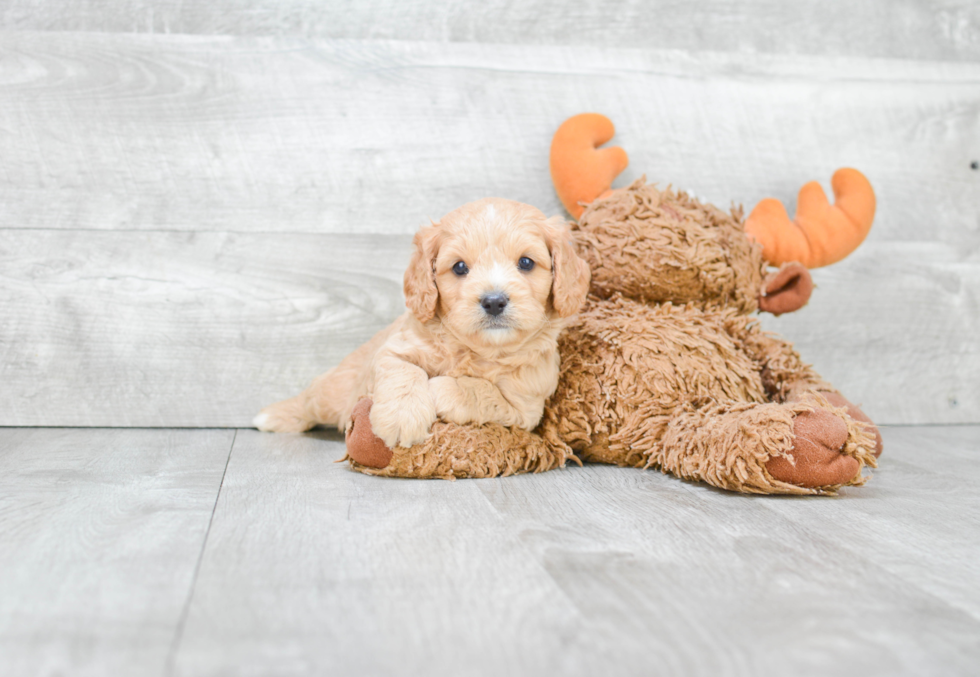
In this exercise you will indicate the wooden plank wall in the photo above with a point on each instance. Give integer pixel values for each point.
(945, 30)
(204, 205)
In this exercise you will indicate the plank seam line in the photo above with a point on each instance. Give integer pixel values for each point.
(236, 428)
(188, 231)
(339, 437)
(179, 633)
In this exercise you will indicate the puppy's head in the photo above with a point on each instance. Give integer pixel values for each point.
(494, 272)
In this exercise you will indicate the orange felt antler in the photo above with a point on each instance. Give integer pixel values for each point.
(821, 233)
(580, 170)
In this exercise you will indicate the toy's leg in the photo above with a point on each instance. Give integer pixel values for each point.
(838, 400)
(788, 379)
(451, 451)
(793, 448)
(783, 371)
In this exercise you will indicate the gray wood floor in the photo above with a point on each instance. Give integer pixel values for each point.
(203, 552)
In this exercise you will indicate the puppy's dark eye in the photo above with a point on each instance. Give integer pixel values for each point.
(524, 263)
(460, 268)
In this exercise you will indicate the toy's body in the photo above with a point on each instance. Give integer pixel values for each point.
(675, 373)
(666, 367)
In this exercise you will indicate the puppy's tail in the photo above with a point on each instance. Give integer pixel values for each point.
(581, 171)
(288, 416)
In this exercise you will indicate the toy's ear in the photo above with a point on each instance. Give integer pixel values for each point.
(786, 289)
(421, 293)
(570, 274)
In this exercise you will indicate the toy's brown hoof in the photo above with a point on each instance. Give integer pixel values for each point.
(855, 412)
(817, 451)
(363, 445)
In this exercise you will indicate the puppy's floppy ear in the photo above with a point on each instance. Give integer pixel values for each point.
(570, 274)
(421, 293)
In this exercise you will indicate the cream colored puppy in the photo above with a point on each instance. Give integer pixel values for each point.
(487, 289)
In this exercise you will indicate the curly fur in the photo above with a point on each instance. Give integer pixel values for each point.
(665, 366)
(449, 356)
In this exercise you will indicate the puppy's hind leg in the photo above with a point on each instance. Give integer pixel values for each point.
(326, 402)
(330, 399)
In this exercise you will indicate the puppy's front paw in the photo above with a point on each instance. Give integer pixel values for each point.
(403, 422)
(446, 397)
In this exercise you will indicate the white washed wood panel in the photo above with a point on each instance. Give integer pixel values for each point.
(100, 535)
(181, 329)
(926, 29)
(895, 328)
(314, 569)
(203, 329)
(104, 131)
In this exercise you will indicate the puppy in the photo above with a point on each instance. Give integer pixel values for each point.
(487, 290)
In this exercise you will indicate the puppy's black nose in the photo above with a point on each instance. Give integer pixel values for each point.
(494, 303)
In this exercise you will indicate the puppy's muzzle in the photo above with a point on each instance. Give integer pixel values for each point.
(494, 304)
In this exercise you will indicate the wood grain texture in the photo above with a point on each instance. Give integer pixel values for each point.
(936, 462)
(185, 329)
(182, 329)
(100, 535)
(150, 183)
(933, 29)
(105, 131)
(878, 318)
(313, 569)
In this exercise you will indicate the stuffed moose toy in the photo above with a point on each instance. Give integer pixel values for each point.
(665, 366)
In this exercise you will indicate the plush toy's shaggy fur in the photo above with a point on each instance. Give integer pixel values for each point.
(468, 451)
(665, 367)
